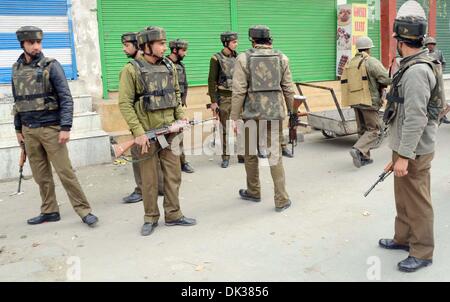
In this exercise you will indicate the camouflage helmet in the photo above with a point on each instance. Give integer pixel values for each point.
(430, 40)
(364, 43)
(29, 33)
(150, 34)
(259, 32)
(411, 22)
(129, 37)
(179, 44)
(228, 36)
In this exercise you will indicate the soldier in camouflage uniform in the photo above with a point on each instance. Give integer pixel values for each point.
(131, 50)
(372, 72)
(220, 80)
(178, 50)
(149, 98)
(43, 114)
(263, 90)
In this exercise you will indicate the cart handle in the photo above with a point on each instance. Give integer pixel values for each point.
(331, 90)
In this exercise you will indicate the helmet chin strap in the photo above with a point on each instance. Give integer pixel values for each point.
(226, 44)
(151, 54)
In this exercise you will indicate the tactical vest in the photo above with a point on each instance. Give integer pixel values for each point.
(225, 81)
(158, 84)
(32, 87)
(182, 77)
(436, 103)
(355, 83)
(265, 94)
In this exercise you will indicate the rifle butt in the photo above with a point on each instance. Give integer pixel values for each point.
(119, 149)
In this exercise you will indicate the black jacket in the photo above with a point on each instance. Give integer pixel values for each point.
(63, 116)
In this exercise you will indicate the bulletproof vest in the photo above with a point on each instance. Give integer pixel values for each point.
(182, 77)
(225, 81)
(436, 103)
(355, 83)
(32, 87)
(158, 84)
(264, 84)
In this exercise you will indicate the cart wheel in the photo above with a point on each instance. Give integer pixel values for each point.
(329, 134)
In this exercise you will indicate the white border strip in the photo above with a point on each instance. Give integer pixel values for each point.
(9, 24)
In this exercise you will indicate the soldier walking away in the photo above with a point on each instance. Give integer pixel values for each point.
(363, 81)
(43, 114)
(262, 89)
(149, 98)
(220, 81)
(178, 50)
(414, 103)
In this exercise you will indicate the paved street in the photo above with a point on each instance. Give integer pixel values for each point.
(329, 234)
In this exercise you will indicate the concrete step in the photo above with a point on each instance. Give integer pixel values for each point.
(89, 148)
(82, 122)
(82, 103)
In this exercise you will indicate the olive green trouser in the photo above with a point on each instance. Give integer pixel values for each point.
(369, 128)
(414, 220)
(224, 116)
(171, 174)
(137, 172)
(44, 151)
(259, 137)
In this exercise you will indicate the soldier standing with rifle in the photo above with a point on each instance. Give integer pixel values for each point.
(363, 81)
(149, 98)
(43, 114)
(414, 103)
(131, 50)
(220, 81)
(263, 99)
(178, 50)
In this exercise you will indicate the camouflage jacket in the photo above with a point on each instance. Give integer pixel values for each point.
(378, 79)
(268, 105)
(182, 79)
(63, 116)
(138, 119)
(213, 79)
(412, 132)
(438, 55)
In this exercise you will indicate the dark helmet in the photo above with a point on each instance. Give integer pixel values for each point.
(29, 33)
(150, 34)
(259, 32)
(129, 37)
(179, 44)
(228, 36)
(411, 23)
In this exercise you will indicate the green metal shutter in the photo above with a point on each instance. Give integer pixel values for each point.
(443, 30)
(373, 22)
(303, 30)
(200, 22)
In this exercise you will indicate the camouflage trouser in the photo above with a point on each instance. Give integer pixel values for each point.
(369, 130)
(43, 148)
(224, 116)
(276, 169)
(171, 174)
